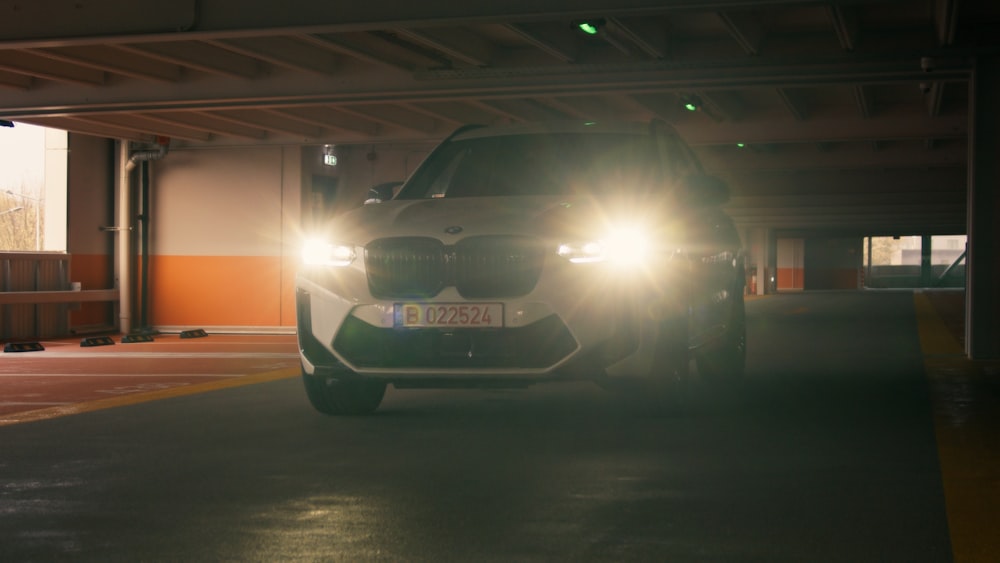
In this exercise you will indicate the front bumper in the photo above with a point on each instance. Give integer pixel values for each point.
(569, 326)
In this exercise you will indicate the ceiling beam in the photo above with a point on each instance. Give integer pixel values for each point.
(199, 56)
(204, 121)
(90, 127)
(517, 110)
(845, 25)
(745, 29)
(723, 104)
(557, 41)
(15, 81)
(863, 99)
(331, 118)
(361, 46)
(31, 64)
(794, 102)
(269, 121)
(457, 112)
(665, 106)
(789, 157)
(933, 97)
(393, 116)
(286, 52)
(113, 60)
(141, 125)
(649, 37)
(827, 129)
(362, 84)
(35, 24)
(455, 44)
(946, 21)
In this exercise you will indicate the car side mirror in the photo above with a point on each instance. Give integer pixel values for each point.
(382, 192)
(701, 190)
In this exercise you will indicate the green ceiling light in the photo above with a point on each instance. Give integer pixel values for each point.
(590, 27)
(740, 145)
(691, 103)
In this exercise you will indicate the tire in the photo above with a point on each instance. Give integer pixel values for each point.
(725, 361)
(332, 397)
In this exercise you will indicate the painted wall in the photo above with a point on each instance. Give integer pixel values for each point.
(226, 226)
(362, 167)
(791, 264)
(90, 206)
(833, 263)
(225, 238)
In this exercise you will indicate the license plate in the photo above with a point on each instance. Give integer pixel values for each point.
(449, 315)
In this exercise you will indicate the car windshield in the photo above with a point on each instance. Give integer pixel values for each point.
(537, 164)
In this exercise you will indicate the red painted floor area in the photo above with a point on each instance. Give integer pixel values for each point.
(65, 372)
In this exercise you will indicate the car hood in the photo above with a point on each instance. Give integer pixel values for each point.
(451, 219)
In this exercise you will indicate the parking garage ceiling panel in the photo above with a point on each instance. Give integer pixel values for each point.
(804, 90)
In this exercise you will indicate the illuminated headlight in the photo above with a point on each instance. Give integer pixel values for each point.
(621, 246)
(317, 252)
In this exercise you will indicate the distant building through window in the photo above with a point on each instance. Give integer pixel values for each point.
(898, 261)
(33, 162)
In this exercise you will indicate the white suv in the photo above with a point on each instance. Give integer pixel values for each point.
(523, 254)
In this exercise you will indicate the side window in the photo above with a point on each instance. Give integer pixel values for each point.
(442, 181)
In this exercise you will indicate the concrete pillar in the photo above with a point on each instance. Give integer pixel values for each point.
(982, 327)
(765, 253)
(756, 242)
(771, 258)
(926, 276)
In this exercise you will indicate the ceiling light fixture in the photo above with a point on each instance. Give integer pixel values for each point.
(691, 102)
(590, 27)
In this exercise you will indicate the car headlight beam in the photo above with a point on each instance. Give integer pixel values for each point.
(317, 252)
(624, 246)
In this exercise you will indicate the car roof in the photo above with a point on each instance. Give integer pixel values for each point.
(565, 126)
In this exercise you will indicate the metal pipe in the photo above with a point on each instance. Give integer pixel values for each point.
(163, 146)
(122, 230)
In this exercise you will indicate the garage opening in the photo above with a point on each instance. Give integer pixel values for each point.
(32, 189)
(33, 195)
(915, 261)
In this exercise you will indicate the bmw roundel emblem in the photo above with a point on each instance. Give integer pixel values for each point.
(453, 230)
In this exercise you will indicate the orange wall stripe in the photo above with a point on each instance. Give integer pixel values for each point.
(221, 291)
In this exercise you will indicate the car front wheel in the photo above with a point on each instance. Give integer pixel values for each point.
(726, 359)
(336, 397)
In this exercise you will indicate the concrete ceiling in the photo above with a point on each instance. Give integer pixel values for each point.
(853, 115)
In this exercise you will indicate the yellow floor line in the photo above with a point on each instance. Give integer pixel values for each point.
(136, 398)
(967, 427)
